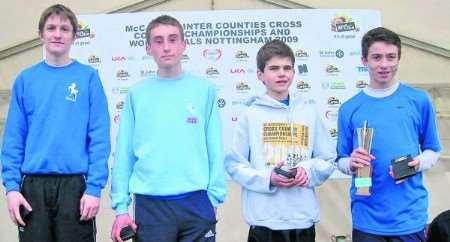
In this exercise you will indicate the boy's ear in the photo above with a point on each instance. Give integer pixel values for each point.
(364, 60)
(259, 75)
(184, 45)
(148, 49)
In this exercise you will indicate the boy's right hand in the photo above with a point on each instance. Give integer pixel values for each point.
(360, 158)
(279, 180)
(120, 222)
(15, 199)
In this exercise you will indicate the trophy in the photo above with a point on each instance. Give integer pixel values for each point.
(295, 151)
(287, 170)
(363, 180)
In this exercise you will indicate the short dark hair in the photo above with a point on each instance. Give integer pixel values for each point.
(270, 49)
(60, 10)
(164, 20)
(380, 34)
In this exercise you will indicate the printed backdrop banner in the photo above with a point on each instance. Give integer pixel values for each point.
(222, 47)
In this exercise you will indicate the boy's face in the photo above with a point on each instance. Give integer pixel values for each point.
(382, 62)
(166, 46)
(277, 76)
(57, 35)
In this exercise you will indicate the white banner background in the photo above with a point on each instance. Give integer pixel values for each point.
(222, 47)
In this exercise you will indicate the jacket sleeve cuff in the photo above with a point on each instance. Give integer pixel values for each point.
(121, 209)
(214, 202)
(12, 186)
(271, 188)
(93, 191)
(427, 159)
(344, 166)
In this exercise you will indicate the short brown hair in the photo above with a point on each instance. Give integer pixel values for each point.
(270, 49)
(164, 20)
(380, 34)
(60, 10)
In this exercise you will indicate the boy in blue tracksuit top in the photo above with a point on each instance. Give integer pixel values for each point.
(169, 149)
(404, 124)
(56, 140)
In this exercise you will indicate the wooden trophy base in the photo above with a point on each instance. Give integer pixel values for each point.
(364, 174)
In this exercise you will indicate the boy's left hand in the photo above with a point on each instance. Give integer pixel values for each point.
(89, 206)
(414, 163)
(301, 177)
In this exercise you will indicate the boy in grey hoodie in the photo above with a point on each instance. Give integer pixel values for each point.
(278, 130)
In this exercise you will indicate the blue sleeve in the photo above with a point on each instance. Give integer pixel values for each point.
(124, 160)
(216, 186)
(345, 135)
(14, 138)
(428, 134)
(99, 141)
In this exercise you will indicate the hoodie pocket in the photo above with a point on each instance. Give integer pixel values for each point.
(259, 206)
(285, 204)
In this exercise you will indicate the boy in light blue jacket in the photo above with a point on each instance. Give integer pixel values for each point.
(169, 149)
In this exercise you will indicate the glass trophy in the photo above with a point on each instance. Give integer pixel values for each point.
(363, 179)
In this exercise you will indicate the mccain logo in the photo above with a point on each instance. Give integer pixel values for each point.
(343, 23)
(84, 31)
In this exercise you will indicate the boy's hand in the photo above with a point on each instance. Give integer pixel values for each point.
(360, 158)
(120, 222)
(280, 181)
(15, 199)
(89, 206)
(301, 177)
(414, 163)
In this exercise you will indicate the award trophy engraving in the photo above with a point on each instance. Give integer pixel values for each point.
(363, 179)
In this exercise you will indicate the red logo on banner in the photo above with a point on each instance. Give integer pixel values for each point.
(237, 71)
(119, 58)
(212, 54)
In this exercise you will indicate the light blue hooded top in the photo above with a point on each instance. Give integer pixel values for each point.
(261, 139)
